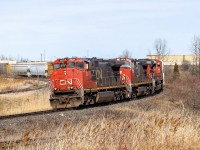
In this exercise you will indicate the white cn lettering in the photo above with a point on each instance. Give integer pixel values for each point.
(62, 82)
(69, 81)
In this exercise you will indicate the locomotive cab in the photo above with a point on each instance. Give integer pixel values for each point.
(158, 69)
(68, 83)
(59, 73)
(67, 75)
(126, 72)
(146, 70)
(159, 74)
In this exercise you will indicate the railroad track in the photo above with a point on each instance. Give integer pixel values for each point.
(55, 111)
(32, 78)
(30, 114)
(26, 78)
(68, 109)
(31, 88)
(25, 90)
(22, 77)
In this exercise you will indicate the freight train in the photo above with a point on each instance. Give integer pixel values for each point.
(84, 81)
(26, 69)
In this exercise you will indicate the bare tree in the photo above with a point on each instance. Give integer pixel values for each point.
(185, 65)
(2, 57)
(24, 59)
(161, 49)
(126, 54)
(196, 53)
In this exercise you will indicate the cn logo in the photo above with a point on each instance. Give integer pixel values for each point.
(69, 81)
(62, 82)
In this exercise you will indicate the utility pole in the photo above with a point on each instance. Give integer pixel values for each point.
(44, 55)
(41, 56)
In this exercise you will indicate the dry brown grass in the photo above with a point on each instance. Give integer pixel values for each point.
(7, 84)
(185, 90)
(11, 84)
(111, 127)
(24, 102)
(146, 131)
(166, 121)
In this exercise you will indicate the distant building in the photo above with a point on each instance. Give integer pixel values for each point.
(172, 59)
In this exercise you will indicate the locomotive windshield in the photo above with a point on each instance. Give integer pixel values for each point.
(71, 65)
(63, 65)
(126, 64)
(58, 66)
(80, 65)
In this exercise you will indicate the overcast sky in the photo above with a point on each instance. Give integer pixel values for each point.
(101, 28)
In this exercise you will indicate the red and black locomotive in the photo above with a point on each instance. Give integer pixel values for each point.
(83, 81)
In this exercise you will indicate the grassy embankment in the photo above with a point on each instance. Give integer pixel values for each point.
(22, 102)
(170, 120)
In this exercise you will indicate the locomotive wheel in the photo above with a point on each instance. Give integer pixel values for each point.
(89, 100)
(54, 105)
(118, 97)
(121, 97)
(134, 96)
(85, 101)
(115, 98)
(92, 101)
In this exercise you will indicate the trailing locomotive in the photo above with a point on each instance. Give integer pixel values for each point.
(83, 81)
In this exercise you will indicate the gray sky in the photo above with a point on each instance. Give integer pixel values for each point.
(101, 28)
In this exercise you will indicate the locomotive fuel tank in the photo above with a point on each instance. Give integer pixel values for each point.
(106, 96)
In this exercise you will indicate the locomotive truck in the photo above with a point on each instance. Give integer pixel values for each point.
(84, 81)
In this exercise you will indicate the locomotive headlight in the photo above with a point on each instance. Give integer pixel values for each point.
(55, 89)
(71, 88)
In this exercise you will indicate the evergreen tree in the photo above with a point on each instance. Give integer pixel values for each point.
(176, 71)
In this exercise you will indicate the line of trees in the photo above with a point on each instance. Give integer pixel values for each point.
(160, 46)
(2, 57)
(161, 50)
